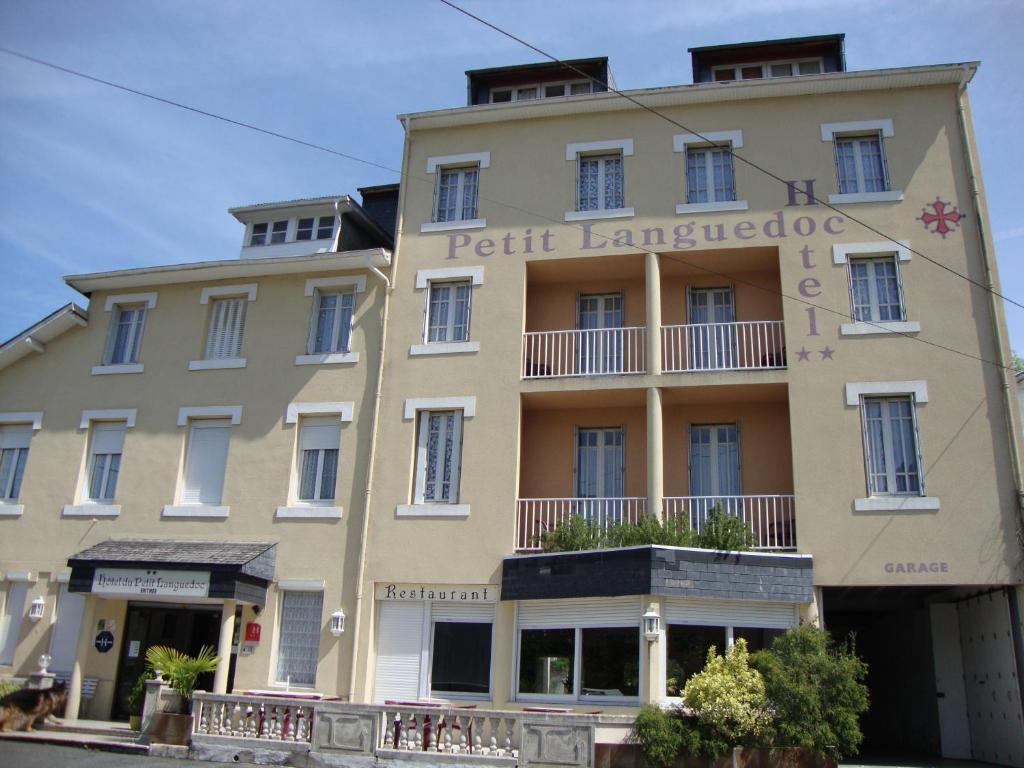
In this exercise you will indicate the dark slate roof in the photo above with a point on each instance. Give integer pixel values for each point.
(255, 558)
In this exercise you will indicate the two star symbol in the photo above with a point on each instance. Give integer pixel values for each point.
(803, 354)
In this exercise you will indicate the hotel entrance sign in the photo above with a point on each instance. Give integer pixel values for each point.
(159, 583)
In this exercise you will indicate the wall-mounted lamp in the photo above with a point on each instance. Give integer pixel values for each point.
(652, 623)
(37, 609)
(337, 622)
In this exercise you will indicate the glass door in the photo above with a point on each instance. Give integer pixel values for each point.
(600, 473)
(712, 342)
(714, 470)
(599, 317)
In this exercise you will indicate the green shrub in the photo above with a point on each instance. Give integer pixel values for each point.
(137, 695)
(573, 535)
(724, 531)
(578, 533)
(180, 670)
(728, 699)
(664, 735)
(8, 686)
(816, 691)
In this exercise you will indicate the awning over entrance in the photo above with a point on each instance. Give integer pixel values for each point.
(175, 570)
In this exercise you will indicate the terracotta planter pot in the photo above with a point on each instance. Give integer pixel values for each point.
(169, 728)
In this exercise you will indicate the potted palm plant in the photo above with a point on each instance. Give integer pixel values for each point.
(181, 673)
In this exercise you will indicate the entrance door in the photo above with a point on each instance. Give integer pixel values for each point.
(600, 348)
(714, 470)
(712, 342)
(600, 473)
(186, 629)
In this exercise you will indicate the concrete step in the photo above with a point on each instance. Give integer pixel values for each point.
(97, 741)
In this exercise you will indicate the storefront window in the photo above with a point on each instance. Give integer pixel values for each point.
(611, 662)
(546, 661)
(687, 653)
(461, 658)
(757, 638)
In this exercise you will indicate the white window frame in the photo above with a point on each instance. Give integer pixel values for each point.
(316, 510)
(577, 151)
(841, 255)
(209, 295)
(283, 587)
(766, 69)
(317, 226)
(683, 143)
(439, 163)
(93, 420)
(418, 411)
(113, 305)
(883, 127)
(874, 307)
(460, 172)
(13, 432)
(425, 279)
(541, 90)
(917, 392)
(356, 284)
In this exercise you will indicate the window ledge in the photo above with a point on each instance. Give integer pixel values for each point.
(444, 226)
(897, 504)
(91, 510)
(445, 348)
(606, 213)
(890, 196)
(100, 370)
(194, 510)
(879, 329)
(327, 359)
(309, 512)
(432, 510)
(209, 365)
(11, 510)
(725, 205)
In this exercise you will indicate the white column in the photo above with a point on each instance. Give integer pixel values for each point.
(653, 278)
(85, 632)
(655, 453)
(227, 633)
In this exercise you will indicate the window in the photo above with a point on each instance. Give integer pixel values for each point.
(298, 638)
(608, 661)
(709, 175)
(711, 337)
(259, 234)
(759, 70)
(456, 194)
(875, 289)
(461, 657)
(599, 318)
(860, 165)
(332, 321)
(600, 469)
(14, 444)
(715, 462)
(279, 233)
(687, 649)
(125, 337)
(890, 438)
(227, 321)
(543, 90)
(205, 461)
(448, 311)
(317, 470)
(323, 228)
(600, 183)
(438, 457)
(104, 461)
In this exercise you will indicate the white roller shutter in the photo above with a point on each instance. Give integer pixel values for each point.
(731, 613)
(320, 433)
(206, 461)
(399, 651)
(64, 638)
(584, 612)
(18, 436)
(108, 438)
(465, 612)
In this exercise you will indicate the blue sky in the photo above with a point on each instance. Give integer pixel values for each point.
(93, 179)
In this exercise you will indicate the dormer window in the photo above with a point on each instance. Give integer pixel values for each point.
(322, 228)
(540, 90)
(288, 230)
(767, 69)
(278, 231)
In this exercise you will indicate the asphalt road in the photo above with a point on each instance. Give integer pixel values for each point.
(23, 755)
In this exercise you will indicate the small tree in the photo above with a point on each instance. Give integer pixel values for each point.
(816, 691)
(728, 699)
(181, 671)
(575, 534)
(664, 736)
(724, 531)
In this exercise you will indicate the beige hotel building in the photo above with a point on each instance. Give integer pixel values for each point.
(333, 455)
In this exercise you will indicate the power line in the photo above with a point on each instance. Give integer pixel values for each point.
(407, 176)
(727, 147)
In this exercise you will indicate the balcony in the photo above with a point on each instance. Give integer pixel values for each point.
(535, 517)
(759, 345)
(598, 352)
(771, 518)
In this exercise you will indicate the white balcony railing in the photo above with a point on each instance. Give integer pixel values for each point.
(723, 346)
(535, 517)
(771, 518)
(598, 352)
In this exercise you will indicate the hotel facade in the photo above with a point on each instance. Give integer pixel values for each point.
(336, 457)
